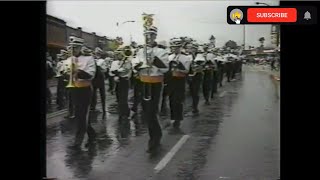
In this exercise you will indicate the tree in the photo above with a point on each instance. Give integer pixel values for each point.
(251, 47)
(112, 45)
(133, 44)
(212, 41)
(261, 41)
(119, 40)
(212, 37)
(231, 44)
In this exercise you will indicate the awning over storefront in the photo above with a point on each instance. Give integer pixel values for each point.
(56, 45)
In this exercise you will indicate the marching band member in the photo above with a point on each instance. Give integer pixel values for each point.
(81, 73)
(228, 66)
(188, 50)
(196, 73)
(164, 105)
(234, 66)
(137, 91)
(64, 71)
(179, 65)
(134, 49)
(117, 58)
(213, 64)
(61, 93)
(98, 82)
(207, 76)
(50, 75)
(122, 70)
(153, 63)
(220, 62)
(109, 59)
(238, 64)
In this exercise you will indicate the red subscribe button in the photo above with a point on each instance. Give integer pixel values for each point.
(272, 15)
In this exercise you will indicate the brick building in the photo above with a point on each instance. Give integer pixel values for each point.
(58, 33)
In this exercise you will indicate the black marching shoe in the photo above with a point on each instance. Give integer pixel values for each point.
(77, 144)
(91, 142)
(195, 111)
(104, 115)
(207, 102)
(154, 145)
(176, 124)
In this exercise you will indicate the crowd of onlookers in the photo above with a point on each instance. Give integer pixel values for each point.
(273, 60)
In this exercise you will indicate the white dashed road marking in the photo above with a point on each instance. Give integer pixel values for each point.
(170, 154)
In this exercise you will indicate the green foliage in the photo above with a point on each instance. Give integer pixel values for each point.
(231, 44)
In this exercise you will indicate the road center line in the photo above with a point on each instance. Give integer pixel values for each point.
(222, 94)
(171, 153)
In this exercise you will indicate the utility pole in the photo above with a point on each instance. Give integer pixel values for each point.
(244, 37)
(118, 24)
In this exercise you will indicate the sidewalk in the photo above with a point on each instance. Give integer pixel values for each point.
(265, 68)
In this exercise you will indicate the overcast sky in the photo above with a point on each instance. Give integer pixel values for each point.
(197, 19)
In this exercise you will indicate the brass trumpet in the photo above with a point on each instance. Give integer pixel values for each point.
(73, 40)
(72, 69)
(196, 67)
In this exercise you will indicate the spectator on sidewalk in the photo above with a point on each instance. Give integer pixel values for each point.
(50, 75)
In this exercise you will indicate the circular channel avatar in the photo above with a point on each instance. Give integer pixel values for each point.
(236, 15)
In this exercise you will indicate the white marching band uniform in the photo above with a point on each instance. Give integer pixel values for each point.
(211, 57)
(108, 62)
(134, 62)
(176, 85)
(123, 67)
(59, 69)
(162, 54)
(99, 61)
(102, 64)
(184, 59)
(86, 64)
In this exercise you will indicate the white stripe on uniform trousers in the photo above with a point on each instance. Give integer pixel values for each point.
(88, 110)
(160, 100)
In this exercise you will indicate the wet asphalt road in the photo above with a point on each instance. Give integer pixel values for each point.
(237, 137)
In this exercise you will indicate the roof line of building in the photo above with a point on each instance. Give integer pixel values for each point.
(64, 22)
